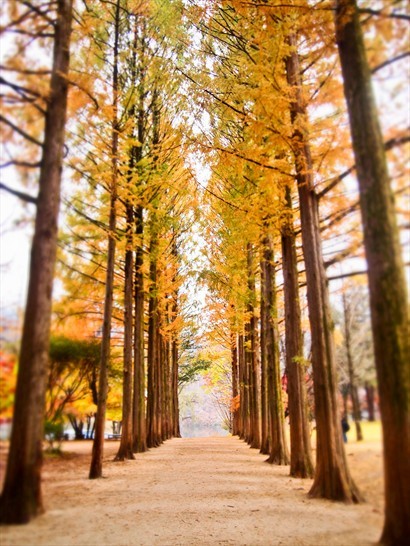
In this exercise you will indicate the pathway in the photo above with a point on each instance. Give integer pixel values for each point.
(188, 492)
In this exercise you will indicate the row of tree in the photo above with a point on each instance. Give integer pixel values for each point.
(268, 71)
(120, 244)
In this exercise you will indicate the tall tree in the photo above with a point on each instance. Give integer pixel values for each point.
(125, 450)
(98, 443)
(332, 477)
(278, 453)
(21, 499)
(387, 285)
(139, 418)
(301, 464)
(252, 354)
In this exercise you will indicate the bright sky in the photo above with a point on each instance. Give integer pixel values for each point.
(14, 254)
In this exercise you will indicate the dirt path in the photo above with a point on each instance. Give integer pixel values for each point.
(199, 491)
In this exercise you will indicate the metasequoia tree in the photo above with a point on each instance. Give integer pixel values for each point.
(98, 443)
(21, 499)
(301, 464)
(354, 395)
(387, 285)
(252, 353)
(332, 478)
(130, 405)
(278, 450)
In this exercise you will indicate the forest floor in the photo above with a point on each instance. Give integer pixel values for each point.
(197, 492)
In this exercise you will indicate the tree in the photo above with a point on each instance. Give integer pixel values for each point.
(278, 452)
(354, 395)
(301, 464)
(387, 285)
(332, 478)
(98, 444)
(21, 499)
(72, 374)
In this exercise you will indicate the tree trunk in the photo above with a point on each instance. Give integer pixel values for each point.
(153, 400)
(235, 384)
(98, 443)
(251, 356)
(158, 378)
(354, 395)
(243, 391)
(332, 478)
(175, 405)
(125, 450)
(21, 499)
(139, 406)
(174, 351)
(139, 444)
(166, 391)
(264, 321)
(387, 285)
(370, 401)
(301, 463)
(278, 453)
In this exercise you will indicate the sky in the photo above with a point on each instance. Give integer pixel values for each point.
(14, 254)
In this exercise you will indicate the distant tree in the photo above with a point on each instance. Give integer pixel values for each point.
(353, 388)
(192, 362)
(72, 377)
(8, 378)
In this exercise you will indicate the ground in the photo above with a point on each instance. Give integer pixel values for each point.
(197, 492)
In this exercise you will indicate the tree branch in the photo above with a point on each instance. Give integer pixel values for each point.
(20, 194)
(388, 145)
(390, 61)
(20, 131)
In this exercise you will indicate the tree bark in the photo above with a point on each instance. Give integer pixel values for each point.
(166, 389)
(301, 463)
(125, 450)
(235, 384)
(153, 398)
(332, 477)
(139, 405)
(175, 406)
(251, 356)
(278, 453)
(139, 443)
(243, 391)
(264, 322)
(370, 401)
(98, 443)
(354, 395)
(387, 285)
(174, 351)
(21, 499)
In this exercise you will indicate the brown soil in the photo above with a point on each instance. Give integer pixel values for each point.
(199, 492)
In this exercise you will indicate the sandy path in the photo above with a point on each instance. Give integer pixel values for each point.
(199, 491)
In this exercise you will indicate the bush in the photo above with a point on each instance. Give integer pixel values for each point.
(54, 434)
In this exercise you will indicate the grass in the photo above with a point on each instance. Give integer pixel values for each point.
(372, 431)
